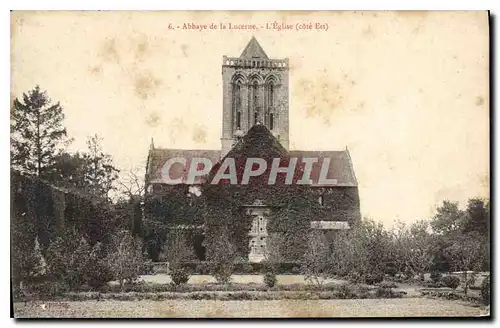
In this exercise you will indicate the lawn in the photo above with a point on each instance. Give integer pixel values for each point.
(237, 279)
(406, 307)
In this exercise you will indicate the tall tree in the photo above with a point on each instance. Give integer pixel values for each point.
(37, 132)
(448, 220)
(477, 217)
(100, 174)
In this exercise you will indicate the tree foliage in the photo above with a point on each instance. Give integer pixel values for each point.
(37, 133)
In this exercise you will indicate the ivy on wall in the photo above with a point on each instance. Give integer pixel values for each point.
(221, 206)
(52, 210)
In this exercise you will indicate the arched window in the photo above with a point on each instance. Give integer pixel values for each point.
(237, 104)
(255, 95)
(270, 94)
(270, 103)
(255, 101)
(238, 120)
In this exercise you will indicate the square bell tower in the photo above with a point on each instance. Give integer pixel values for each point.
(255, 90)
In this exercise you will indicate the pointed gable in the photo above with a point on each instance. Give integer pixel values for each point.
(253, 50)
(257, 143)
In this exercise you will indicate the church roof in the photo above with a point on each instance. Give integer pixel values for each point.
(253, 50)
(258, 142)
(340, 165)
(158, 157)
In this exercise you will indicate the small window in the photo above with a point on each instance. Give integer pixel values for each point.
(255, 117)
(271, 121)
(238, 119)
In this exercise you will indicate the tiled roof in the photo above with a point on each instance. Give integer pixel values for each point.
(258, 142)
(158, 157)
(253, 50)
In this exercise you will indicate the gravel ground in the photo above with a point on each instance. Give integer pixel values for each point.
(407, 307)
(237, 279)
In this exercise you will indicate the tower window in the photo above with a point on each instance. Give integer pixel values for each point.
(255, 117)
(271, 121)
(238, 119)
(236, 105)
(271, 94)
(255, 97)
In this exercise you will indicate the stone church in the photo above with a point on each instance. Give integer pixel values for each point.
(255, 91)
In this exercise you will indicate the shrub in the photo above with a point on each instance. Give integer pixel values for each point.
(438, 284)
(354, 277)
(451, 281)
(436, 276)
(179, 276)
(387, 284)
(125, 257)
(270, 279)
(203, 268)
(315, 266)
(222, 271)
(222, 258)
(346, 291)
(363, 292)
(374, 278)
(68, 259)
(382, 292)
(485, 291)
(295, 270)
(97, 271)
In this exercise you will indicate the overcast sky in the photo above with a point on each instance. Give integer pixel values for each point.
(407, 93)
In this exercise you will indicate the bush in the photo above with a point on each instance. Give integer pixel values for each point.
(179, 276)
(387, 284)
(346, 291)
(125, 258)
(354, 277)
(485, 291)
(97, 271)
(375, 278)
(222, 272)
(295, 270)
(270, 279)
(203, 268)
(68, 259)
(438, 284)
(451, 281)
(382, 292)
(436, 276)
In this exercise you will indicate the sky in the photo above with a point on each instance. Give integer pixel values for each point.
(406, 92)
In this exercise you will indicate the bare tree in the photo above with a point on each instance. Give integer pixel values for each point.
(416, 247)
(132, 185)
(125, 257)
(465, 255)
(315, 266)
